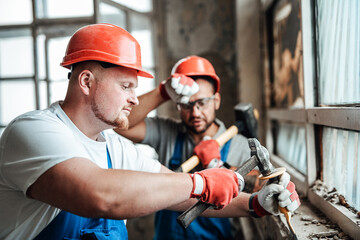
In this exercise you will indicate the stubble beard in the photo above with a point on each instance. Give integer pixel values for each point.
(201, 131)
(121, 122)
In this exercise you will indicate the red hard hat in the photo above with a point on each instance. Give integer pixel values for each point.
(196, 66)
(107, 43)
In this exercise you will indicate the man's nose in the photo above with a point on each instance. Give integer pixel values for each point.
(133, 98)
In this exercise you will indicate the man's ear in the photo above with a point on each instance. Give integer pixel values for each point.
(217, 100)
(85, 80)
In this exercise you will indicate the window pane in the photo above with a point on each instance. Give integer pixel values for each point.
(110, 14)
(288, 89)
(64, 8)
(338, 53)
(16, 53)
(43, 94)
(138, 5)
(290, 145)
(57, 48)
(58, 90)
(15, 12)
(141, 30)
(16, 97)
(341, 161)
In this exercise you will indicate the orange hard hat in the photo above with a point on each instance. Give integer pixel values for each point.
(196, 66)
(107, 43)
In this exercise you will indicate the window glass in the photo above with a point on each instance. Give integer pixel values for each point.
(138, 5)
(58, 90)
(41, 56)
(57, 48)
(288, 89)
(11, 105)
(341, 163)
(290, 145)
(43, 93)
(15, 12)
(64, 8)
(113, 15)
(16, 53)
(141, 29)
(338, 53)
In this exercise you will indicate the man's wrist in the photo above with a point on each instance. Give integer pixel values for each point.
(255, 209)
(163, 91)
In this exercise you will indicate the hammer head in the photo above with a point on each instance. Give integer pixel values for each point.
(246, 120)
(263, 156)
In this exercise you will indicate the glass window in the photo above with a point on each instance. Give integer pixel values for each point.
(15, 12)
(341, 163)
(338, 39)
(141, 29)
(138, 5)
(113, 15)
(58, 90)
(57, 48)
(288, 89)
(290, 145)
(16, 53)
(64, 8)
(11, 104)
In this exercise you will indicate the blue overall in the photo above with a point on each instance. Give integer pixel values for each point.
(166, 226)
(70, 226)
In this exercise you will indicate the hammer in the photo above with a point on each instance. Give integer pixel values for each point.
(256, 160)
(245, 124)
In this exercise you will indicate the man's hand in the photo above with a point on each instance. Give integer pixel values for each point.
(179, 88)
(208, 152)
(271, 196)
(216, 186)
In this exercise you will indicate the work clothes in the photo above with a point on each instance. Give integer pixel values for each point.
(36, 141)
(174, 146)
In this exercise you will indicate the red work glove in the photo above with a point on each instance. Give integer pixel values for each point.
(216, 186)
(178, 87)
(208, 152)
(271, 196)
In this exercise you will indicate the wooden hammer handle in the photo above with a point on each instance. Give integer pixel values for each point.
(194, 160)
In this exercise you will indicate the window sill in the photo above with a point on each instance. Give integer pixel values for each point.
(347, 220)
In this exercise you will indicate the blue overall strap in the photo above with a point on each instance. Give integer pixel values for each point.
(166, 225)
(225, 151)
(70, 226)
(108, 158)
(176, 158)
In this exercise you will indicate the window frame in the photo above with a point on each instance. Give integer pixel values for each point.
(39, 22)
(313, 118)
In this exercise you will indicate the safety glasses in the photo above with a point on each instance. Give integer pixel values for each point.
(200, 104)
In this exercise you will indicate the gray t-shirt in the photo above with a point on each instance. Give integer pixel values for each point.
(161, 134)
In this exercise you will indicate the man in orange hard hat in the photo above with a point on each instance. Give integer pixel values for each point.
(63, 176)
(194, 86)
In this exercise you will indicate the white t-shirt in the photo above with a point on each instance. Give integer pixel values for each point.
(36, 141)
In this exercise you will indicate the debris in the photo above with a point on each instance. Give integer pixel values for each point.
(325, 234)
(314, 221)
(323, 221)
(358, 214)
(307, 218)
(343, 202)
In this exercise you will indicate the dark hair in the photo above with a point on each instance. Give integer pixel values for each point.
(207, 78)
